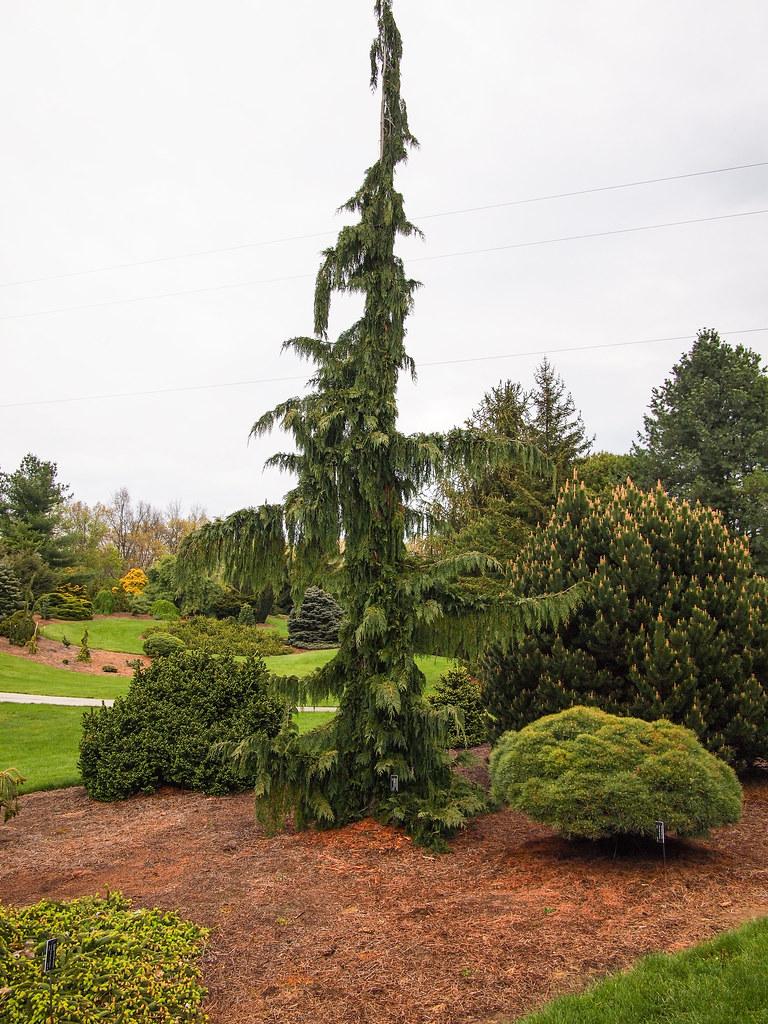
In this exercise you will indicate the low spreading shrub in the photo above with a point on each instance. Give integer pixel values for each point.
(104, 602)
(162, 609)
(109, 955)
(109, 668)
(457, 689)
(19, 628)
(589, 774)
(164, 730)
(222, 636)
(160, 645)
(138, 604)
(60, 605)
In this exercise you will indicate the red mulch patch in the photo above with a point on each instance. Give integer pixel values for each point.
(52, 652)
(358, 925)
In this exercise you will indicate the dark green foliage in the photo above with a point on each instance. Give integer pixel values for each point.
(162, 609)
(674, 624)
(10, 592)
(263, 606)
(315, 623)
(706, 436)
(104, 603)
(245, 616)
(109, 955)
(358, 481)
(720, 982)
(109, 668)
(457, 689)
(591, 775)
(602, 472)
(19, 628)
(164, 730)
(161, 644)
(65, 606)
(138, 604)
(222, 636)
(31, 511)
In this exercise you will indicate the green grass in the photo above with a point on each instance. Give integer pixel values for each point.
(302, 664)
(43, 742)
(108, 634)
(21, 675)
(278, 622)
(721, 982)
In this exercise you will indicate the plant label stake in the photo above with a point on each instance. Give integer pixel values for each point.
(49, 956)
(661, 837)
(394, 784)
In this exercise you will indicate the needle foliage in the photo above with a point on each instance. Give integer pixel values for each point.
(354, 504)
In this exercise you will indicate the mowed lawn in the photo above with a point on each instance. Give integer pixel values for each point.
(302, 664)
(111, 633)
(21, 675)
(42, 742)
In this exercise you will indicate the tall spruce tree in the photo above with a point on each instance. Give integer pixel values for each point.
(357, 481)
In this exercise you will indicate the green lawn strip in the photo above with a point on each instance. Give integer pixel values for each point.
(43, 741)
(721, 982)
(278, 622)
(22, 675)
(302, 664)
(108, 634)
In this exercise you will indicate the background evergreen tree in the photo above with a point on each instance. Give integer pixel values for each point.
(706, 436)
(31, 511)
(358, 478)
(674, 623)
(10, 592)
(315, 624)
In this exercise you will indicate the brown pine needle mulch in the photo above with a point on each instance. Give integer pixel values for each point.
(358, 925)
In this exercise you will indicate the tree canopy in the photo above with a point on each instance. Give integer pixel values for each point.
(706, 436)
(357, 483)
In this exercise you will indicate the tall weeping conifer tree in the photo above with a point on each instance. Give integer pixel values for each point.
(358, 479)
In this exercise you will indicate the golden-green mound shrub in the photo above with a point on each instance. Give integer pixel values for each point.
(590, 775)
(113, 963)
(160, 645)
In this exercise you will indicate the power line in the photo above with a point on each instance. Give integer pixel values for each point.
(426, 216)
(303, 377)
(415, 259)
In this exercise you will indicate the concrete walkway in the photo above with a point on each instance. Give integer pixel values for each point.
(84, 702)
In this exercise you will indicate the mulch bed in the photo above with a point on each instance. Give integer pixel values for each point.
(57, 655)
(358, 925)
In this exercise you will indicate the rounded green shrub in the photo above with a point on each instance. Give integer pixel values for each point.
(19, 628)
(109, 668)
(457, 689)
(162, 609)
(160, 645)
(165, 731)
(104, 602)
(591, 775)
(674, 622)
(222, 636)
(59, 605)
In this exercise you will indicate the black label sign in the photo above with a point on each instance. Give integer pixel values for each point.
(394, 784)
(49, 957)
(661, 832)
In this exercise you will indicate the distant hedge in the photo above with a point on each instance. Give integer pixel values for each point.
(222, 636)
(164, 730)
(589, 774)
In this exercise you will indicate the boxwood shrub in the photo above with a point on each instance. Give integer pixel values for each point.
(109, 955)
(589, 774)
(159, 645)
(163, 609)
(163, 731)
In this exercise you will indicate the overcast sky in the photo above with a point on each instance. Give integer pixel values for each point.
(135, 131)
